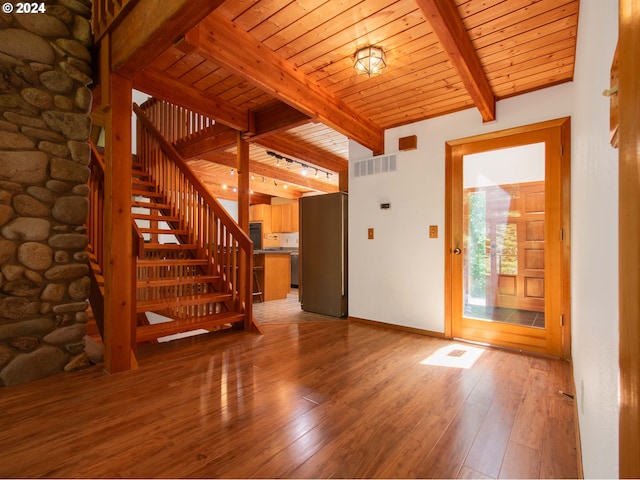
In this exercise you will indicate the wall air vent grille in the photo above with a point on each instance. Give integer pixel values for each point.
(375, 165)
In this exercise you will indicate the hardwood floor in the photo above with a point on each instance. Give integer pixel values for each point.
(329, 398)
(287, 310)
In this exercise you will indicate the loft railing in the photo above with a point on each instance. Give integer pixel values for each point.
(228, 249)
(105, 14)
(175, 124)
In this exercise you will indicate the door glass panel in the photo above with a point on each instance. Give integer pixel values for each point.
(503, 226)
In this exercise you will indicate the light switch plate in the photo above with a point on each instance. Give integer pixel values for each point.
(433, 231)
(370, 233)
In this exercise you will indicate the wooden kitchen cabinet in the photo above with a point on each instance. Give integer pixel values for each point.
(273, 271)
(284, 218)
(261, 213)
(276, 218)
(290, 221)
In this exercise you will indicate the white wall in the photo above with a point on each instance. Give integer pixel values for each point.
(231, 206)
(595, 242)
(138, 98)
(397, 278)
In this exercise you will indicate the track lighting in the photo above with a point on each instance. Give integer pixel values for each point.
(290, 161)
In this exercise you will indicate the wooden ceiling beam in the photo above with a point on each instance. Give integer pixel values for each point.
(452, 34)
(260, 169)
(256, 197)
(150, 28)
(211, 182)
(276, 118)
(299, 149)
(217, 137)
(216, 180)
(158, 84)
(227, 45)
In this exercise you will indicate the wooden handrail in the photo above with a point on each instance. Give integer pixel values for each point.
(227, 248)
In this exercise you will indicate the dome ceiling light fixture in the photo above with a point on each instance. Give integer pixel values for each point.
(370, 61)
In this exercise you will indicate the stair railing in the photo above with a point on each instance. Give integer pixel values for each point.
(95, 232)
(95, 222)
(175, 123)
(228, 249)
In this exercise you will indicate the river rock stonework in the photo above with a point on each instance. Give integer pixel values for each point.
(45, 67)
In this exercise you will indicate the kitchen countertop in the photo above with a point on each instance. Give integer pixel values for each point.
(280, 250)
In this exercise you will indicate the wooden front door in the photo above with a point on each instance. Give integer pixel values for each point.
(507, 239)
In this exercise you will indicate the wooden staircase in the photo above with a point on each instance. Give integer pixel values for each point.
(173, 279)
(192, 261)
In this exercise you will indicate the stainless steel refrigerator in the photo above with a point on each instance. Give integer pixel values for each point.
(323, 254)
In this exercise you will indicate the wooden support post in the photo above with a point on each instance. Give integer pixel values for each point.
(246, 259)
(243, 183)
(118, 258)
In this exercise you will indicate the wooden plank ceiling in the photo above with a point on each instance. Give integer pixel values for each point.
(281, 72)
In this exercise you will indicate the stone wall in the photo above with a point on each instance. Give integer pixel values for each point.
(45, 67)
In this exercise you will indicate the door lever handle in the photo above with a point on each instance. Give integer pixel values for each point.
(457, 251)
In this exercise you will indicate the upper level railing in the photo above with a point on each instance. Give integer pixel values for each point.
(219, 238)
(105, 14)
(175, 123)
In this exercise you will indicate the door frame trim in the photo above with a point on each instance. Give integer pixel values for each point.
(564, 126)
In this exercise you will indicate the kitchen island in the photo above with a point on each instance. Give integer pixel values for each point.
(273, 273)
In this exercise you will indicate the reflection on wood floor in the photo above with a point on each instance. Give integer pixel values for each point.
(287, 310)
(305, 400)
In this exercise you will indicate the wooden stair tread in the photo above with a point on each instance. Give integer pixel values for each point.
(170, 262)
(168, 282)
(155, 218)
(146, 193)
(143, 183)
(163, 231)
(170, 246)
(151, 332)
(183, 301)
(151, 205)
